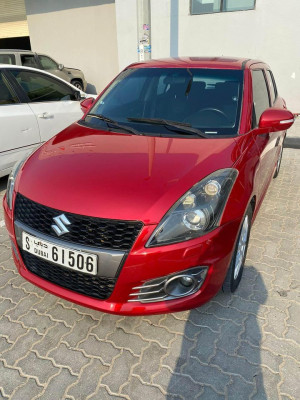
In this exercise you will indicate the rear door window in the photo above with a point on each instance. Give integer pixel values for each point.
(28, 60)
(261, 99)
(7, 59)
(40, 88)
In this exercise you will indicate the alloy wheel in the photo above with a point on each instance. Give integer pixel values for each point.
(242, 245)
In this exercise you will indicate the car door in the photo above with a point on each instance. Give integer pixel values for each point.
(52, 101)
(265, 142)
(19, 128)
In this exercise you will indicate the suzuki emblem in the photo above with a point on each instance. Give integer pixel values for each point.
(60, 224)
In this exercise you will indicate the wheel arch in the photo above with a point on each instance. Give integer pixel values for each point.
(77, 79)
(253, 204)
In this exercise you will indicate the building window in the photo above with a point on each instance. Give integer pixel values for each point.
(213, 6)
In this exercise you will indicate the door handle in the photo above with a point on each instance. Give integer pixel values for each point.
(45, 115)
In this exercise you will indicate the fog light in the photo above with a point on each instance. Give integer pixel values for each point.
(176, 288)
(186, 280)
(170, 287)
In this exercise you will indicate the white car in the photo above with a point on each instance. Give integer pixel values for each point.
(34, 106)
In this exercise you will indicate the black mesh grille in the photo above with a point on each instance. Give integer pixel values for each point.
(89, 285)
(90, 231)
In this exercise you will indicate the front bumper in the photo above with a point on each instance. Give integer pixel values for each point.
(213, 250)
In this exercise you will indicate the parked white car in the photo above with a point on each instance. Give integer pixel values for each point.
(34, 106)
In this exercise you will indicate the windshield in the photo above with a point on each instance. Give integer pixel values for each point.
(142, 98)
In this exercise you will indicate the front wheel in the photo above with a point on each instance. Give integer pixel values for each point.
(235, 270)
(77, 83)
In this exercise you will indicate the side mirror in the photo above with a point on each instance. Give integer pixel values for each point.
(87, 104)
(60, 67)
(276, 119)
(78, 95)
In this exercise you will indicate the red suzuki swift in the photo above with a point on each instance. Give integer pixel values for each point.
(145, 205)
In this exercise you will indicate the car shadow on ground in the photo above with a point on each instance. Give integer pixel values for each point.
(90, 89)
(292, 143)
(219, 356)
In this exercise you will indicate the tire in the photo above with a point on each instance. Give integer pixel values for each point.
(236, 267)
(278, 163)
(77, 83)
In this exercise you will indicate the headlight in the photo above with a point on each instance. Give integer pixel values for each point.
(12, 178)
(197, 212)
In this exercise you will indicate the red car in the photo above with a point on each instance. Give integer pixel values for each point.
(145, 205)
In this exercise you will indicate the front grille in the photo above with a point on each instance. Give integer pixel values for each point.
(89, 285)
(90, 231)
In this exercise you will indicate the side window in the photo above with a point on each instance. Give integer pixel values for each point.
(260, 96)
(272, 85)
(212, 6)
(39, 87)
(28, 60)
(7, 59)
(7, 95)
(205, 6)
(47, 62)
(233, 5)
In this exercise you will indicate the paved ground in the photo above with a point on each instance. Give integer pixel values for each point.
(244, 346)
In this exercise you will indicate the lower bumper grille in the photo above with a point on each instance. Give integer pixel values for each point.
(91, 286)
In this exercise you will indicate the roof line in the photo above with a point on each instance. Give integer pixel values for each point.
(16, 50)
(245, 62)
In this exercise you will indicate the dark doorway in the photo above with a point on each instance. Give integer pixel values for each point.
(22, 43)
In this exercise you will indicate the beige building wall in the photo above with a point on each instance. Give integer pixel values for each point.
(271, 32)
(78, 34)
(126, 15)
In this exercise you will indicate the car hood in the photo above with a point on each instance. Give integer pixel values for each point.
(120, 176)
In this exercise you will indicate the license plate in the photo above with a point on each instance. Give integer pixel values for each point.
(64, 256)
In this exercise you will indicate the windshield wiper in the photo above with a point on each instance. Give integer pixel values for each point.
(172, 125)
(114, 123)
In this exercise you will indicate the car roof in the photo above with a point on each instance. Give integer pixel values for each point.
(20, 67)
(15, 51)
(13, 66)
(198, 62)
